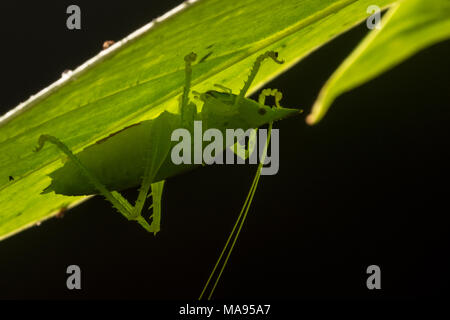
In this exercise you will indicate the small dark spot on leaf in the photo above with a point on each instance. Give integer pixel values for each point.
(210, 46)
(225, 123)
(11, 178)
(262, 111)
(205, 57)
(284, 45)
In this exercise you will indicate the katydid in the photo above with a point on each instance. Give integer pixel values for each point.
(141, 154)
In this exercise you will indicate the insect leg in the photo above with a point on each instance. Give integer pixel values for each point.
(270, 92)
(191, 57)
(269, 54)
(157, 191)
(144, 194)
(116, 199)
(156, 194)
(158, 149)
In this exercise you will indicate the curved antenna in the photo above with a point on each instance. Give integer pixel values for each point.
(238, 225)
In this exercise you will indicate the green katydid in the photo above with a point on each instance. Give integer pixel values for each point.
(140, 154)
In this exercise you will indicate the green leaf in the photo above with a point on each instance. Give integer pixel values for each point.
(408, 27)
(143, 75)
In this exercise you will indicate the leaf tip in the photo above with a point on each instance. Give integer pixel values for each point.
(315, 115)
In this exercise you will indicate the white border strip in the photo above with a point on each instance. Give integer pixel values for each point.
(72, 75)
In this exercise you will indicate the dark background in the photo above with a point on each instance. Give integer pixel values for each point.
(368, 185)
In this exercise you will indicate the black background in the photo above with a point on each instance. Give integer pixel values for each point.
(368, 185)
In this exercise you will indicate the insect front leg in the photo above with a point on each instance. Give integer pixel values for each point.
(158, 150)
(269, 54)
(270, 93)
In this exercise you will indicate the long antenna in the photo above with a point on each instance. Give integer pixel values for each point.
(238, 225)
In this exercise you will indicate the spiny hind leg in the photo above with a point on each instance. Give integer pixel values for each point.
(270, 93)
(116, 199)
(156, 194)
(269, 54)
(157, 191)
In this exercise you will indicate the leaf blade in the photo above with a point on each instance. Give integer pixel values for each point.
(408, 27)
(146, 77)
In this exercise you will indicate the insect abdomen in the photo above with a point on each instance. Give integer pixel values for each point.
(118, 161)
